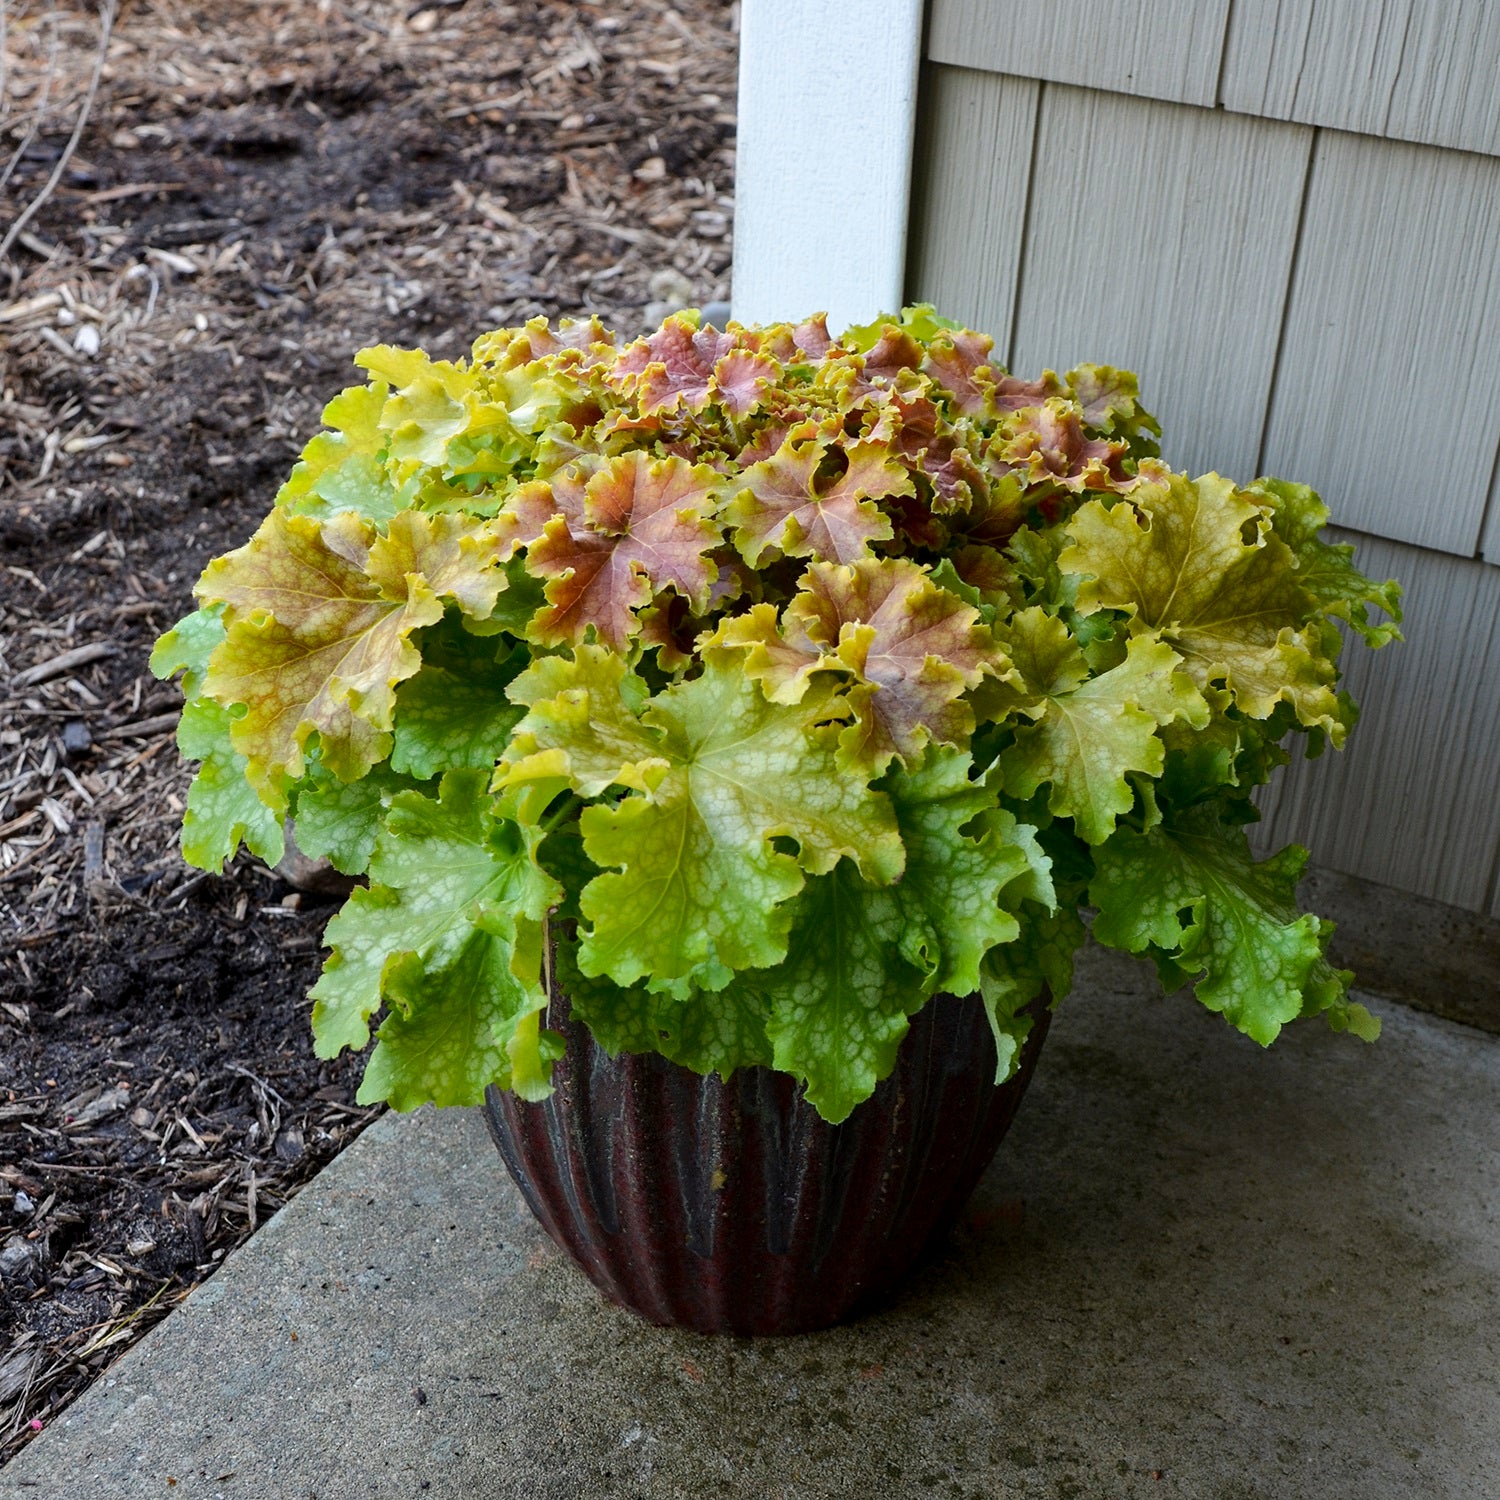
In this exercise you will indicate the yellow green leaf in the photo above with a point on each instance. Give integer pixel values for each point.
(319, 618)
(1090, 732)
(1197, 562)
(695, 880)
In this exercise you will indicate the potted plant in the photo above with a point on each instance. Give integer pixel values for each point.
(734, 726)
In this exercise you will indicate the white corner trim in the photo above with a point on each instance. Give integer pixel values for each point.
(827, 111)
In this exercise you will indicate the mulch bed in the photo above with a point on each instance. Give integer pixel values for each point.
(259, 189)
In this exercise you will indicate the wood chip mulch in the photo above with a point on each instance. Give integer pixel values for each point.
(259, 188)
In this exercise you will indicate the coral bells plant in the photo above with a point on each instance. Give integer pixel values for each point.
(752, 688)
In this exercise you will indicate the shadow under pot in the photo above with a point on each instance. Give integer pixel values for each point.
(731, 1206)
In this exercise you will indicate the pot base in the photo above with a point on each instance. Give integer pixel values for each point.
(731, 1206)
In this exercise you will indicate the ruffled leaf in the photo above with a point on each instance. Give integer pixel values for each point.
(1090, 733)
(1326, 570)
(455, 712)
(320, 617)
(1014, 974)
(644, 527)
(1109, 402)
(676, 367)
(959, 361)
(1175, 556)
(338, 821)
(344, 468)
(915, 648)
(715, 1031)
(223, 809)
(584, 727)
(740, 380)
(426, 406)
(1189, 894)
(447, 874)
(782, 666)
(710, 1031)
(789, 505)
(862, 957)
(950, 892)
(701, 885)
(838, 1004)
(453, 1030)
(1047, 444)
(920, 434)
(186, 648)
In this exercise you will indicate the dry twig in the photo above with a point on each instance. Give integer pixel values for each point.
(106, 27)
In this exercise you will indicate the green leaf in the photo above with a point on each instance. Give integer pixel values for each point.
(360, 483)
(839, 1003)
(621, 1018)
(338, 821)
(449, 1027)
(715, 1031)
(1189, 893)
(344, 469)
(1015, 973)
(1091, 731)
(1349, 1015)
(922, 320)
(1228, 757)
(522, 597)
(428, 405)
(445, 720)
(562, 855)
(1327, 570)
(946, 576)
(949, 894)
(709, 1031)
(723, 772)
(531, 1053)
(443, 869)
(584, 725)
(223, 809)
(455, 713)
(187, 646)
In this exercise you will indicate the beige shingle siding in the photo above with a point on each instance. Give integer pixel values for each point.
(1414, 799)
(1318, 299)
(1409, 70)
(1164, 49)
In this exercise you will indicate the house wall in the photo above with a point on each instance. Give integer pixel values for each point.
(1285, 215)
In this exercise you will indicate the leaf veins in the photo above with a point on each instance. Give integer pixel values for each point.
(642, 527)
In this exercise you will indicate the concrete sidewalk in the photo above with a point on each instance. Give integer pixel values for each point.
(1195, 1270)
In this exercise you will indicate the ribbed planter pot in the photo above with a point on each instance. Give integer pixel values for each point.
(732, 1207)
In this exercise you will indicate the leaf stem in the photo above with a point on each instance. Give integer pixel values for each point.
(571, 802)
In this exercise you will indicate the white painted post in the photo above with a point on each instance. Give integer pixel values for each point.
(827, 108)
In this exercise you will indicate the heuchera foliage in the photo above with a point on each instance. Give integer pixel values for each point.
(754, 687)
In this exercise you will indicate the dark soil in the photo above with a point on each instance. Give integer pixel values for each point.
(161, 1103)
(261, 189)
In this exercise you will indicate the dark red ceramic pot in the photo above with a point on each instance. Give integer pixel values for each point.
(732, 1207)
